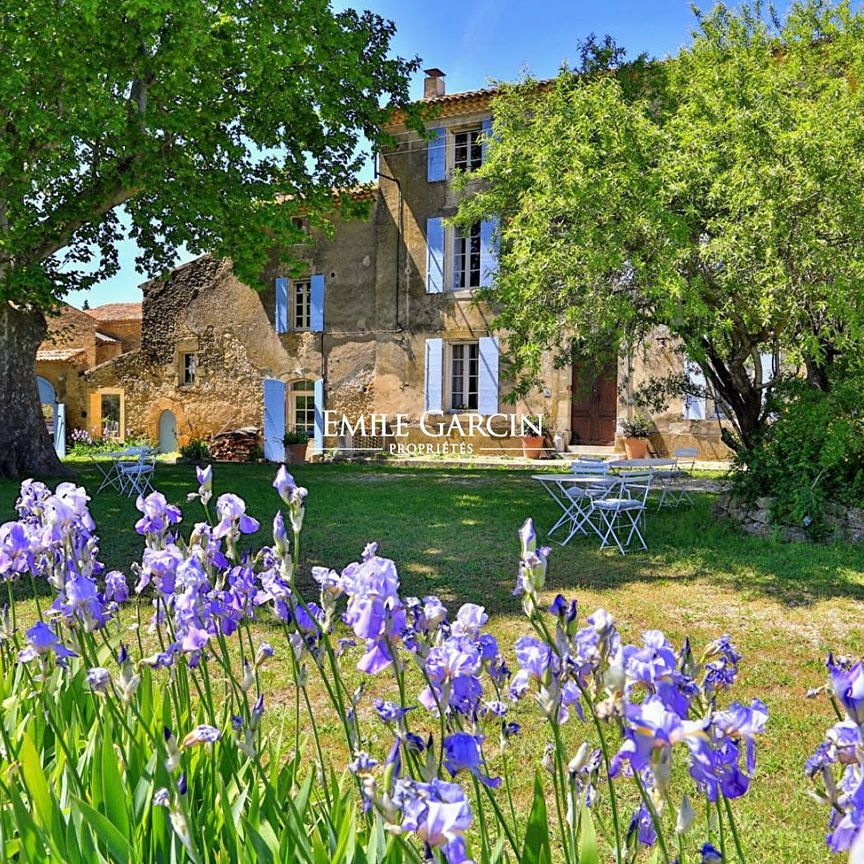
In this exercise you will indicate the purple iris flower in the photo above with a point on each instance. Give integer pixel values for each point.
(41, 641)
(82, 603)
(202, 734)
(452, 669)
(158, 516)
(710, 855)
(98, 679)
(195, 640)
(469, 619)
(643, 826)
(847, 682)
(390, 712)
(116, 588)
(16, 556)
(439, 814)
(231, 510)
(462, 753)
(535, 659)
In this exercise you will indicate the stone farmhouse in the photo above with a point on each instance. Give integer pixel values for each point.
(383, 321)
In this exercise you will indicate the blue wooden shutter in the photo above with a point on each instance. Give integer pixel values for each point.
(281, 305)
(274, 420)
(319, 415)
(694, 406)
(488, 252)
(487, 384)
(436, 168)
(434, 255)
(487, 135)
(434, 396)
(60, 429)
(316, 303)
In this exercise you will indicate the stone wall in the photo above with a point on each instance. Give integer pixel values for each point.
(844, 524)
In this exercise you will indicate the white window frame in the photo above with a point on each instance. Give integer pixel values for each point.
(465, 375)
(469, 130)
(301, 304)
(455, 237)
(293, 393)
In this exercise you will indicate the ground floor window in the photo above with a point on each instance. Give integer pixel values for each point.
(464, 369)
(301, 406)
(110, 411)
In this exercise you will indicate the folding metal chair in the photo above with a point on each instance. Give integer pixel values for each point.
(685, 462)
(586, 488)
(624, 510)
(136, 475)
(110, 477)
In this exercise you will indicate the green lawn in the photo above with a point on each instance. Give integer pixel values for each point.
(453, 532)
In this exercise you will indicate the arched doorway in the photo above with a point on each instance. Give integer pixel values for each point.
(54, 414)
(167, 432)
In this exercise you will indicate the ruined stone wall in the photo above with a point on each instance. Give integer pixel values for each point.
(71, 328)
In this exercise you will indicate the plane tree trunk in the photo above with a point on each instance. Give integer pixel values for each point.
(26, 449)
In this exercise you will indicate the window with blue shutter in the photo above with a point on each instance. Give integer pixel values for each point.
(316, 302)
(433, 395)
(281, 314)
(488, 252)
(434, 255)
(487, 402)
(436, 164)
(319, 415)
(695, 406)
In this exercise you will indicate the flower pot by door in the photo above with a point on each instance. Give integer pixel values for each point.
(636, 448)
(532, 446)
(297, 453)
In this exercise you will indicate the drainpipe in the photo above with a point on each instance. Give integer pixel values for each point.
(399, 232)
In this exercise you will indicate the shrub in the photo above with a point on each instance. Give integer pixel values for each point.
(638, 427)
(295, 436)
(810, 455)
(196, 450)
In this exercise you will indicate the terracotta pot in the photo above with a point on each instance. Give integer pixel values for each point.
(636, 448)
(296, 454)
(532, 446)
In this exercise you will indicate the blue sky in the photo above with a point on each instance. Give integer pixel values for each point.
(475, 43)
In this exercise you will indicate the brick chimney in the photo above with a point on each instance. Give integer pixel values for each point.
(433, 84)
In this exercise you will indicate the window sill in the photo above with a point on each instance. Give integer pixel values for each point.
(460, 294)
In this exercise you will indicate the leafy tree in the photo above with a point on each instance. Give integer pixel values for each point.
(715, 199)
(211, 122)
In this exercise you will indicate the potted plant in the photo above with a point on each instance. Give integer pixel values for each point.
(533, 445)
(636, 433)
(295, 446)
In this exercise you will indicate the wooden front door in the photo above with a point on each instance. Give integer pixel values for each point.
(594, 406)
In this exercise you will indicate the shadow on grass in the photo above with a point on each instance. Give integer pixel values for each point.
(453, 532)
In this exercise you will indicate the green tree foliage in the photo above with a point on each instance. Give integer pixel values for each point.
(716, 197)
(212, 122)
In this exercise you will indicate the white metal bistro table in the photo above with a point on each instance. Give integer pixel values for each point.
(576, 509)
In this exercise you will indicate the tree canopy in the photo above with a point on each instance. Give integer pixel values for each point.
(716, 196)
(211, 121)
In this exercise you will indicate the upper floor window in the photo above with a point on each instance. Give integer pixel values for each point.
(189, 368)
(467, 149)
(302, 306)
(466, 257)
(464, 376)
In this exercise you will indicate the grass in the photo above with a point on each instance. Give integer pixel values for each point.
(453, 532)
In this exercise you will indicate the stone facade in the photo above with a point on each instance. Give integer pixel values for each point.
(382, 313)
(76, 341)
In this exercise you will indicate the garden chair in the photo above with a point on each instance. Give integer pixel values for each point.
(136, 474)
(594, 484)
(108, 470)
(624, 510)
(685, 462)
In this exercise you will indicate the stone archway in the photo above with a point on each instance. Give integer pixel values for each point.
(167, 432)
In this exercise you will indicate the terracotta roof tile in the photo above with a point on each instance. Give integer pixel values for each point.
(48, 354)
(116, 312)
